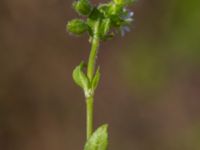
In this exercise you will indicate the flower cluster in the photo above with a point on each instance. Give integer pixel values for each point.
(102, 21)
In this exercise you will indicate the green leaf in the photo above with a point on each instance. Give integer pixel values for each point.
(104, 27)
(82, 7)
(80, 78)
(98, 140)
(96, 79)
(77, 26)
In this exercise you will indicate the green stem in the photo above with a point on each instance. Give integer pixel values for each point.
(92, 58)
(90, 74)
(89, 114)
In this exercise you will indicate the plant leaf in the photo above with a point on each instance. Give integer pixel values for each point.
(104, 27)
(80, 78)
(98, 140)
(96, 79)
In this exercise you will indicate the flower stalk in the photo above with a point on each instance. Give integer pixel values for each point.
(102, 23)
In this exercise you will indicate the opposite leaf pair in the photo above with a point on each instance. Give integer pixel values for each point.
(83, 81)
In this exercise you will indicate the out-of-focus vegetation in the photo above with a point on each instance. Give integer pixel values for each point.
(151, 103)
(165, 45)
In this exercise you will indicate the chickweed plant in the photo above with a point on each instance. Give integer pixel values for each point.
(101, 22)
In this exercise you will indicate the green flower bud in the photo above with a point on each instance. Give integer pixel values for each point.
(82, 7)
(77, 27)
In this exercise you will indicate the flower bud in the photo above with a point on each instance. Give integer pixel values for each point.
(77, 27)
(82, 7)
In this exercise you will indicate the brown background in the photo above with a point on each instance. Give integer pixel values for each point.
(150, 87)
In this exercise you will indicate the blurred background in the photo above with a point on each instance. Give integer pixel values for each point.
(149, 92)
